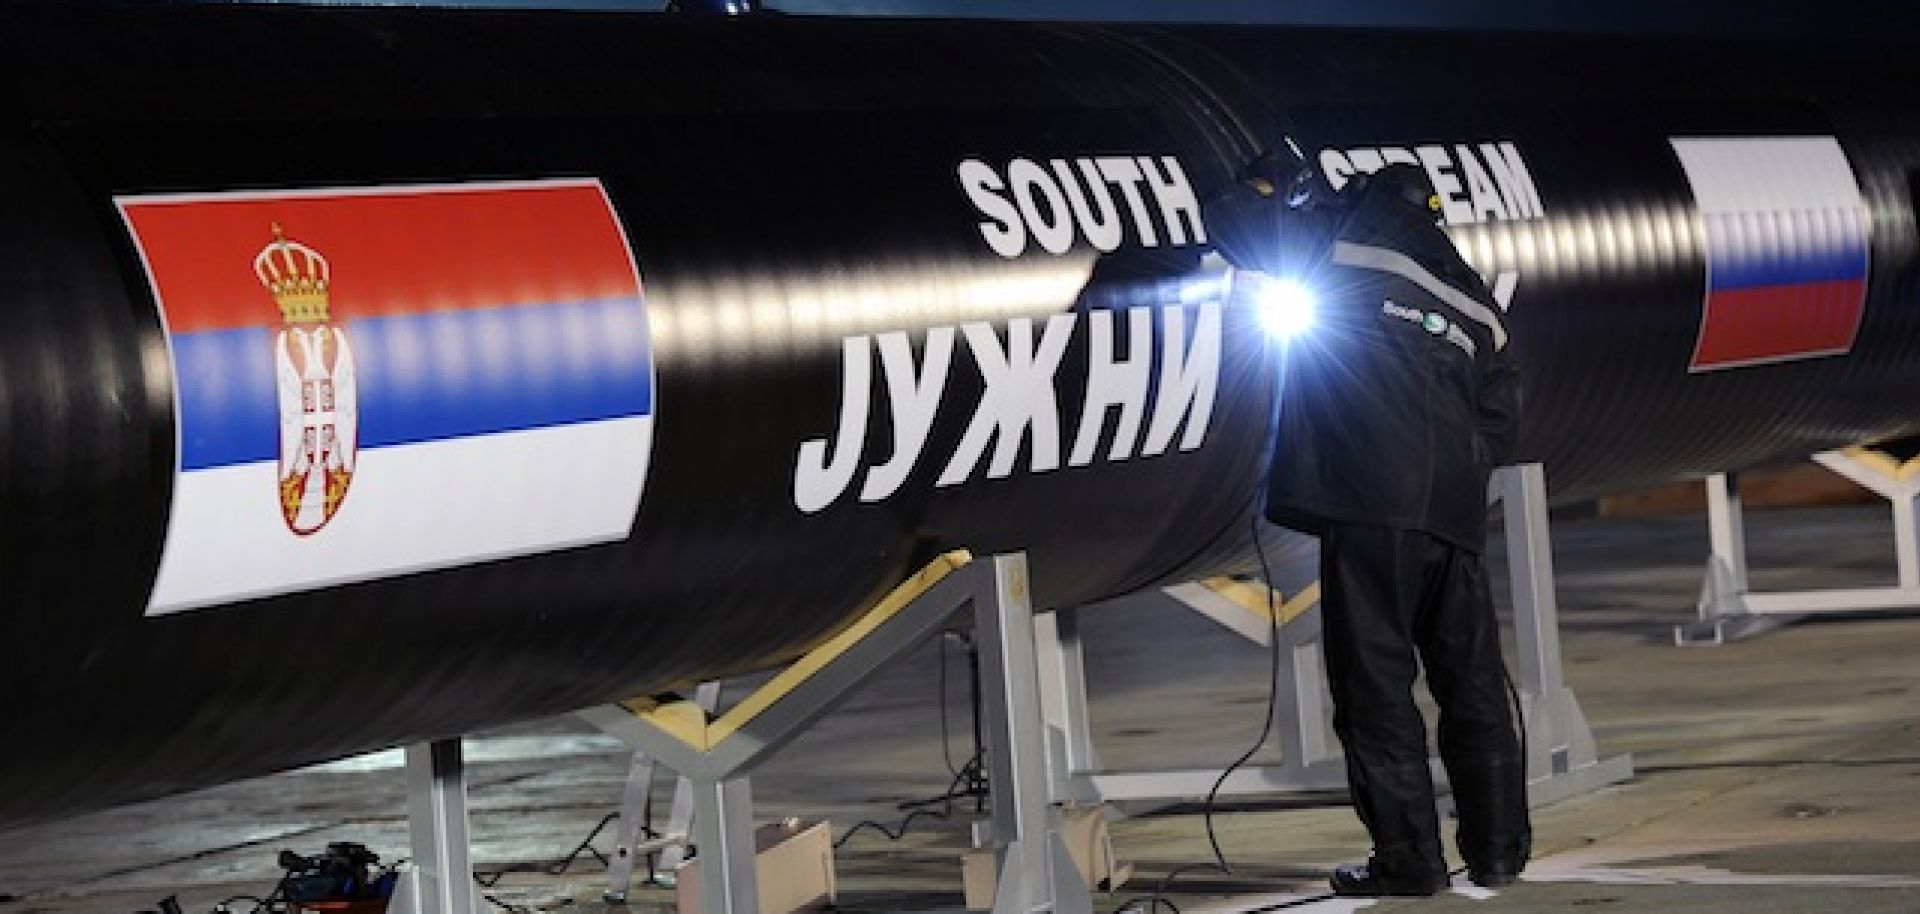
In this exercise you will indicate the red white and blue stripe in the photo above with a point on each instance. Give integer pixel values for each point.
(1786, 236)
(422, 377)
(501, 384)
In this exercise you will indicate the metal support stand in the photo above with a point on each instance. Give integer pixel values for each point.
(1300, 725)
(441, 878)
(718, 754)
(1730, 610)
(1562, 759)
(1036, 872)
(670, 844)
(1063, 694)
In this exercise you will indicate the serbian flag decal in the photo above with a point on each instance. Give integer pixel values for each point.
(1785, 230)
(375, 381)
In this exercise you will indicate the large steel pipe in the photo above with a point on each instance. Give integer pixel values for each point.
(369, 376)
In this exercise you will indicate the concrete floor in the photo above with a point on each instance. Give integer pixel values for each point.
(1779, 774)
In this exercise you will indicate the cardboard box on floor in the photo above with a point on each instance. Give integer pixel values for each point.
(1084, 830)
(795, 869)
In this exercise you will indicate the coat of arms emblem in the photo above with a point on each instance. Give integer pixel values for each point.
(313, 366)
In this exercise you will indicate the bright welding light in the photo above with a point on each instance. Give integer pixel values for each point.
(1285, 306)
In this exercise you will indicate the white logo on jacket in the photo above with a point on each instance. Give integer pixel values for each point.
(1433, 322)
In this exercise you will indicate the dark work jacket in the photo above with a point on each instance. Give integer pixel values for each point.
(1398, 403)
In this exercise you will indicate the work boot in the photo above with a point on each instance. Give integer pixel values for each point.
(1395, 802)
(1399, 872)
(1499, 863)
(1495, 874)
(1495, 838)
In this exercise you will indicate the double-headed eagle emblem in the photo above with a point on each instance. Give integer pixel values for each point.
(313, 366)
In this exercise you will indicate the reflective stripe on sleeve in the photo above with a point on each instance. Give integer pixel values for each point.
(1387, 260)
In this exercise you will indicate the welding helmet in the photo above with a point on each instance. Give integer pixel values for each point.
(1284, 175)
(1276, 217)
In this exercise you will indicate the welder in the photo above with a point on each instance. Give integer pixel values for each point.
(1393, 411)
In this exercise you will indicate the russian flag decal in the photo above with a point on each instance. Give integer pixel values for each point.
(1785, 230)
(370, 382)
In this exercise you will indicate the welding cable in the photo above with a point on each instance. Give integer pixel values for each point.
(962, 774)
(1158, 899)
(945, 801)
(265, 905)
(976, 780)
(524, 909)
(1303, 901)
(1132, 905)
(1323, 896)
(510, 909)
(276, 897)
(1273, 696)
(226, 906)
(489, 879)
(1295, 903)
(892, 834)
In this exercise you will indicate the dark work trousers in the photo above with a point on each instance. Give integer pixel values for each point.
(1387, 594)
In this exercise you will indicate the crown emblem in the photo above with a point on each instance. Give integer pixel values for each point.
(297, 276)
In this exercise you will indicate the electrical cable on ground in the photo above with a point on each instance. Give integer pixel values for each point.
(1273, 694)
(945, 801)
(1158, 897)
(260, 905)
(968, 779)
(1323, 896)
(558, 867)
(524, 909)
(1157, 900)
(490, 879)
